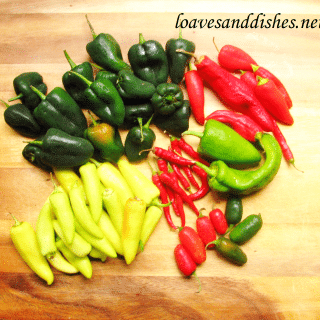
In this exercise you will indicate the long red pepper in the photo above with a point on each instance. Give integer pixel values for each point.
(174, 185)
(204, 188)
(273, 101)
(172, 157)
(163, 197)
(264, 73)
(195, 90)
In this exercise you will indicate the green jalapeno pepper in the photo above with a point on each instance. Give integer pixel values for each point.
(22, 88)
(105, 51)
(167, 98)
(73, 85)
(59, 149)
(59, 110)
(220, 142)
(246, 229)
(149, 61)
(178, 61)
(225, 179)
(21, 119)
(234, 210)
(139, 139)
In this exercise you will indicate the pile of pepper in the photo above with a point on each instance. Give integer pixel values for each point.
(104, 205)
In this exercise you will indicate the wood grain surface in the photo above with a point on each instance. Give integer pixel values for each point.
(281, 278)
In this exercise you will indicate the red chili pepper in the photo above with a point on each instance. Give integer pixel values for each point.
(241, 123)
(184, 261)
(190, 239)
(234, 59)
(206, 230)
(272, 99)
(188, 149)
(172, 157)
(219, 221)
(195, 90)
(205, 188)
(163, 197)
(174, 185)
(264, 73)
(162, 165)
(249, 78)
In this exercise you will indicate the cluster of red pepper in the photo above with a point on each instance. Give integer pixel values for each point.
(256, 100)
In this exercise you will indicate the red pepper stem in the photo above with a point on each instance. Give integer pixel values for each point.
(199, 282)
(211, 243)
(193, 133)
(261, 81)
(215, 44)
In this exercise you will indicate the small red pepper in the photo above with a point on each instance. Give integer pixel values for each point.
(172, 157)
(206, 230)
(195, 90)
(264, 73)
(272, 100)
(234, 59)
(249, 78)
(184, 261)
(190, 239)
(204, 188)
(219, 221)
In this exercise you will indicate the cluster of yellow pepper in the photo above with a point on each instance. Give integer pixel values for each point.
(104, 211)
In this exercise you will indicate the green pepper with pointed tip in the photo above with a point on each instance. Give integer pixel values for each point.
(138, 139)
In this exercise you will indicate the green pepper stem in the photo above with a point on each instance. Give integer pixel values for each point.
(193, 133)
(95, 162)
(19, 96)
(38, 92)
(146, 125)
(84, 79)
(16, 221)
(72, 64)
(156, 202)
(141, 128)
(92, 118)
(180, 33)
(211, 172)
(5, 103)
(94, 35)
(35, 142)
(141, 39)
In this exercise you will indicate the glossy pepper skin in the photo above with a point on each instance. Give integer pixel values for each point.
(104, 100)
(229, 180)
(22, 88)
(105, 51)
(58, 110)
(21, 119)
(132, 87)
(177, 122)
(106, 141)
(139, 138)
(167, 98)
(178, 61)
(133, 111)
(72, 84)
(219, 141)
(60, 149)
(149, 61)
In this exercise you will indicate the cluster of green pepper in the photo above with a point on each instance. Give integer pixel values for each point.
(121, 95)
(97, 212)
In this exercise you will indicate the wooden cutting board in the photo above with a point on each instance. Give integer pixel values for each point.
(281, 278)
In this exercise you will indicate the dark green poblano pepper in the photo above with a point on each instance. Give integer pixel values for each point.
(60, 149)
(219, 141)
(134, 111)
(133, 88)
(230, 180)
(177, 122)
(21, 119)
(105, 51)
(149, 61)
(59, 110)
(72, 84)
(106, 141)
(22, 88)
(178, 60)
(138, 140)
(167, 98)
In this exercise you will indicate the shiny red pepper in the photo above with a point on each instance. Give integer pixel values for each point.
(190, 239)
(195, 90)
(204, 188)
(249, 78)
(184, 261)
(172, 157)
(219, 221)
(206, 230)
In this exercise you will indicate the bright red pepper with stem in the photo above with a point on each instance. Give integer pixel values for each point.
(191, 240)
(195, 90)
(204, 188)
(234, 59)
(206, 230)
(171, 157)
(273, 101)
(219, 221)
(264, 73)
